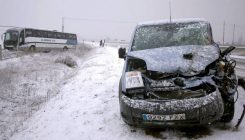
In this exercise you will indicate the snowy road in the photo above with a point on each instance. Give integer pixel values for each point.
(87, 108)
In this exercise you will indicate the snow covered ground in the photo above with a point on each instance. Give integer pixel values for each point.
(27, 82)
(87, 108)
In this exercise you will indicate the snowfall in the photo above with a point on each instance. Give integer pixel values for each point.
(41, 98)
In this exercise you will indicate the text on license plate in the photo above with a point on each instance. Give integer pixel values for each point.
(150, 117)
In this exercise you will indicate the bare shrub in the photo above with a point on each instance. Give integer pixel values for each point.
(67, 60)
(82, 49)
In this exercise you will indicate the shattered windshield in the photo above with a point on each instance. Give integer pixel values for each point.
(172, 34)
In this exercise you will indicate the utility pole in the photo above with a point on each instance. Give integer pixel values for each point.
(233, 37)
(170, 11)
(224, 33)
(63, 24)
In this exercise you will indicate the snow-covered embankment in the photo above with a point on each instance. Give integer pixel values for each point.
(29, 81)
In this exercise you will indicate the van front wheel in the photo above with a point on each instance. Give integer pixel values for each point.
(229, 110)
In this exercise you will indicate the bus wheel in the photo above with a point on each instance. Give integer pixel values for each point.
(65, 48)
(32, 48)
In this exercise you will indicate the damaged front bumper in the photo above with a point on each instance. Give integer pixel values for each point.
(197, 111)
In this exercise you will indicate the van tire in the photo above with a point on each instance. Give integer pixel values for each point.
(229, 110)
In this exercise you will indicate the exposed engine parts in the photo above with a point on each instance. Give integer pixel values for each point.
(219, 74)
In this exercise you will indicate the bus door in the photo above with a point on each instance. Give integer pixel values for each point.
(21, 38)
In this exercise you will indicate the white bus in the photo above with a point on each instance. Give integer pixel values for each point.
(31, 39)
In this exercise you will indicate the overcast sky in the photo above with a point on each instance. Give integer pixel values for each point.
(117, 18)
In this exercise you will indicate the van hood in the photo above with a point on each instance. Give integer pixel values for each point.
(187, 60)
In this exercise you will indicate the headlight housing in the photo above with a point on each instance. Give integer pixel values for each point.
(134, 80)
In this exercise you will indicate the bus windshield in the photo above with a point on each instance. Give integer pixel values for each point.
(11, 36)
(172, 34)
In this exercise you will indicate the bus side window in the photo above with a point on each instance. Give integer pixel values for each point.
(54, 35)
(28, 32)
(45, 34)
(34, 33)
(74, 37)
(39, 33)
(49, 35)
(70, 36)
(59, 35)
(63, 36)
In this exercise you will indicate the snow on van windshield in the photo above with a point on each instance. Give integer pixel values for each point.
(172, 34)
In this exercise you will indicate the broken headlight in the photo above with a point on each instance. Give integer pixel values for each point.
(134, 85)
(134, 80)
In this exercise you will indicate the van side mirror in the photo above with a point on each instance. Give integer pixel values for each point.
(227, 51)
(122, 53)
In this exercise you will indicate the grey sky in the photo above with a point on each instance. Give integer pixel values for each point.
(47, 14)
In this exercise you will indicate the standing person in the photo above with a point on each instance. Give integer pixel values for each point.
(101, 43)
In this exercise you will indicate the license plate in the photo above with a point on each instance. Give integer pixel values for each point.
(150, 117)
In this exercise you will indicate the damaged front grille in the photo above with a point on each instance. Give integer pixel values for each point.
(169, 89)
(176, 94)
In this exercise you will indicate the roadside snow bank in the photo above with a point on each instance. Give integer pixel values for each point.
(87, 106)
(27, 82)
